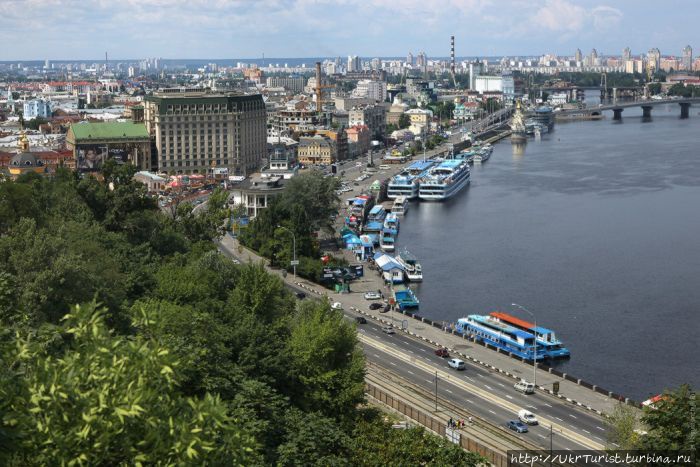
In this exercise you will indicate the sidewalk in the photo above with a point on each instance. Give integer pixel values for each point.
(573, 390)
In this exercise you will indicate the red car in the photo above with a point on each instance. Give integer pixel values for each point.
(442, 353)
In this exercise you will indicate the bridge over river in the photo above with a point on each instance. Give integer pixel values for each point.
(646, 105)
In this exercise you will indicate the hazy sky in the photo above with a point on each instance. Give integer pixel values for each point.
(85, 29)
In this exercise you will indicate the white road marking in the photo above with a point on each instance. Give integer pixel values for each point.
(572, 415)
(470, 401)
(449, 391)
(430, 380)
(410, 372)
(561, 420)
(492, 411)
(585, 431)
(615, 444)
(392, 363)
(480, 375)
(598, 437)
(509, 397)
(488, 387)
(422, 350)
(502, 385)
(411, 351)
(541, 436)
(470, 378)
(547, 404)
(531, 407)
(600, 428)
(377, 355)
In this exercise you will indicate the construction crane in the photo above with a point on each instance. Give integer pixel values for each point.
(319, 90)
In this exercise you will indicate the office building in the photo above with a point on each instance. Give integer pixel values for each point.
(372, 116)
(290, 83)
(195, 130)
(36, 108)
(687, 58)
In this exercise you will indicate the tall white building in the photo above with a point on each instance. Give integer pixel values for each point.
(354, 63)
(687, 60)
(372, 89)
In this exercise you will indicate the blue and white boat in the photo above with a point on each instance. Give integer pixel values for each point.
(400, 206)
(412, 268)
(444, 180)
(483, 153)
(391, 222)
(489, 330)
(387, 242)
(375, 219)
(405, 298)
(553, 347)
(405, 183)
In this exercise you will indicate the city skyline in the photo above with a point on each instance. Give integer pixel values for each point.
(76, 30)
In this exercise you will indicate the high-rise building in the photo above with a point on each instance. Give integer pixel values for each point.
(578, 56)
(195, 130)
(372, 89)
(409, 59)
(593, 58)
(653, 60)
(626, 54)
(687, 60)
(290, 83)
(354, 63)
(376, 64)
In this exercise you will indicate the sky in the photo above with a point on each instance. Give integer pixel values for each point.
(221, 29)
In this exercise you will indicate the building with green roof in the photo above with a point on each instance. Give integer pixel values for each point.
(94, 142)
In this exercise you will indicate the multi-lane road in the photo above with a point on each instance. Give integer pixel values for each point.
(481, 391)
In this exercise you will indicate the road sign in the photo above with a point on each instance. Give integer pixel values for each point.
(294, 262)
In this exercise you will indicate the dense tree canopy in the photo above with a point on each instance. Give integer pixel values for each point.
(126, 338)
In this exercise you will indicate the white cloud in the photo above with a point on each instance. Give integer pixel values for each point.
(566, 17)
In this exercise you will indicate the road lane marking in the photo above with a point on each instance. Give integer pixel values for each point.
(547, 404)
(492, 411)
(598, 437)
(392, 363)
(509, 397)
(449, 391)
(470, 378)
(430, 380)
(377, 355)
(600, 428)
(481, 393)
(410, 372)
(541, 436)
(471, 401)
(585, 431)
(531, 407)
(502, 385)
(488, 387)
(560, 419)
(572, 415)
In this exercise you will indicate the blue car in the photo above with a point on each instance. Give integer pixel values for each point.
(517, 426)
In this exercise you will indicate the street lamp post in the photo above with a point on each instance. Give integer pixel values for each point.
(294, 248)
(534, 351)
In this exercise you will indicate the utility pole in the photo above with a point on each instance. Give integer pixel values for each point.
(436, 395)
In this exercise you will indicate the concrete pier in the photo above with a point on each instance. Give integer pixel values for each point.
(646, 111)
(617, 113)
(685, 109)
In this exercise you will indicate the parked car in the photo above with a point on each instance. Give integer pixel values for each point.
(386, 309)
(524, 387)
(372, 295)
(442, 352)
(337, 306)
(527, 417)
(375, 306)
(388, 330)
(361, 320)
(301, 295)
(517, 426)
(456, 363)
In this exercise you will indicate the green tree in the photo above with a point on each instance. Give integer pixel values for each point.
(622, 423)
(404, 121)
(326, 361)
(672, 423)
(110, 400)
(313, 439)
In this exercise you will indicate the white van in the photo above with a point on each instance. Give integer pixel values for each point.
(527, 417)
(384, 167)
(524, 387)
(456, 363)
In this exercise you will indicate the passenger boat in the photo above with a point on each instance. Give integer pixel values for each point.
(491, 331)
(405, 298)
(552, 346)
(375, 219)
(400, 206)
(444, 180)
(483, 153)
(405, 183)
(412, 268)
(391, 222)
(387, 240)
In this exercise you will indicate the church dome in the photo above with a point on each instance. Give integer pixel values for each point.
(25, 159)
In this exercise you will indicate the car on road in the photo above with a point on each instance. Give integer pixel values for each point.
(456, 363)
(301, 295)
(386, 309)
(375, 306)
(337, 306)
(388, 330)
(442, 352)
(524, 387)
(517, 426)
(527, 417)
(372, 295)
(361, 320)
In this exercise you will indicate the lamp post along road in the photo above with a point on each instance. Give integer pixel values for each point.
(294, 249)
(534, 351)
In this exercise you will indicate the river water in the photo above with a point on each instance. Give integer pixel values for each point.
(596, 230)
